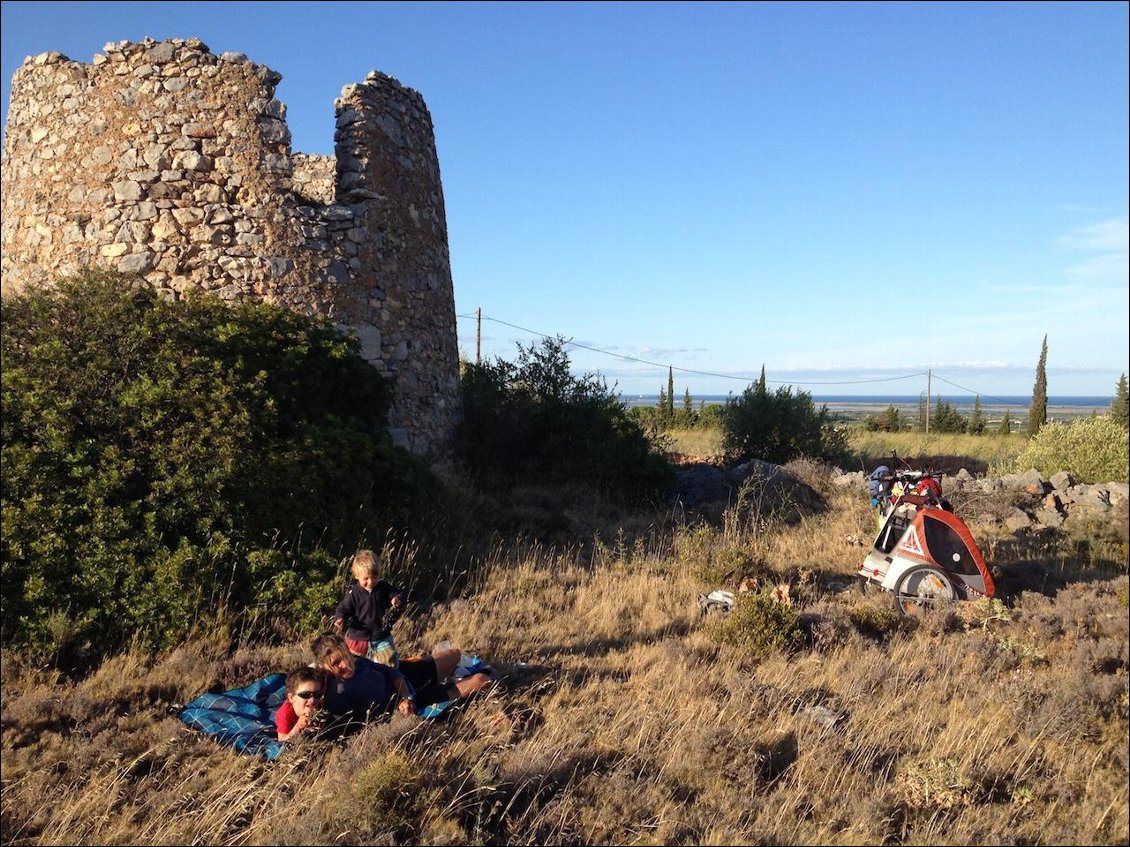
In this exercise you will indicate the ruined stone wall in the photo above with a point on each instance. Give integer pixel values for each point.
(314, 178)
(165, 160)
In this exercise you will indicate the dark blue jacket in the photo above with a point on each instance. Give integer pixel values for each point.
(368, 615)
(370, 691)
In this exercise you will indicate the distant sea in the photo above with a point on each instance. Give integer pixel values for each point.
(1068, 406)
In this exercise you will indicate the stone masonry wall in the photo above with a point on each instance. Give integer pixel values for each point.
(164, 160)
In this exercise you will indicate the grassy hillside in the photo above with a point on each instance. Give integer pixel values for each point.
(184, 480)
(625, 717)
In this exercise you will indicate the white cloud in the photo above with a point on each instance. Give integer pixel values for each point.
(1109, 236)
(1110, 267)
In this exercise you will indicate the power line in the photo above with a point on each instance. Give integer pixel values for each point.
(480, 317)
(690, 370)
(1000, 400)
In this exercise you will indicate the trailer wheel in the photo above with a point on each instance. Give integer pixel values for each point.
(921, 589)
(865, 586)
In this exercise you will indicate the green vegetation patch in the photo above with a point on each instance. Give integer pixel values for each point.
(165, 460)
(760, 625)
(534, 419)
(1093, 449)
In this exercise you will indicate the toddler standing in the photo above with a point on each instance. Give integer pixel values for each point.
(367, 612)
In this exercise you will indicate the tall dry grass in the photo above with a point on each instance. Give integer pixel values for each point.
(988, 450)
(695, 441)
(980, 451)
(623, 719)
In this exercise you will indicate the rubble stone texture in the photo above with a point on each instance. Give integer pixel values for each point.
(164, 160)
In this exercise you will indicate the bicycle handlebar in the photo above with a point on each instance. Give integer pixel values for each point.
(910, 476)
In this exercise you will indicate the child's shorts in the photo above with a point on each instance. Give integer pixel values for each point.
(423, 677)
(383, 652)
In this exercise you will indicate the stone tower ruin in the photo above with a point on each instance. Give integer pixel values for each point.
(165, 160)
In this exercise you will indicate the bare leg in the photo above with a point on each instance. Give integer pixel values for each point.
(473, 684)
(446, 662)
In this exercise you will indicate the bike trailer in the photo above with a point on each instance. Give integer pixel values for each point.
(925, 554)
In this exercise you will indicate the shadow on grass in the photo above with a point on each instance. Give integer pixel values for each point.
(1047, 562)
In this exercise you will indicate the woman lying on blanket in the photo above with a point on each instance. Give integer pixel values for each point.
(359, 688)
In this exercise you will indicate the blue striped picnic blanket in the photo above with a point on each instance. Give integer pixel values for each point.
(243, 718)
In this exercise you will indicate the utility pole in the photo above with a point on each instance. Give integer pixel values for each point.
(929, 381)
(478, 335)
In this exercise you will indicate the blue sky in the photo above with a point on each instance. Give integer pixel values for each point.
(848, 194)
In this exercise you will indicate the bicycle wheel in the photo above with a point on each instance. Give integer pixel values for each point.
(921, 589)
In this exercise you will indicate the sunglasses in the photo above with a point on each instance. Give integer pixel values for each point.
(306, 695)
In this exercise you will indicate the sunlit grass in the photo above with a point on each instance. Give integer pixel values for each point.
(630, 721)
(990, 449)
(696, 441)
(865, 446)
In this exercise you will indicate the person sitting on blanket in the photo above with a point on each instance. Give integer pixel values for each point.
(304, 707)
(360, 689)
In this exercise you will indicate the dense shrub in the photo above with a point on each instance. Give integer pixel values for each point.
(710, 415)
(778, 426)
(163, 459)
(760, 625)
(889, 420)
(533, 420)
(1093, 449)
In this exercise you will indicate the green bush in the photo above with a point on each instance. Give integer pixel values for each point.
(165, 460)
(388, 795)
(889, 420)
(877, 621)
(710, 415)
(1093, 449)
(760, 625)
(534, 421)
(778, 426)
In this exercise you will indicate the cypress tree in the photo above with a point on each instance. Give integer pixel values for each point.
(1120, 405)
(1006, 425)
(663, 406)
(762, 386)
(670, 394)
(1038, 412)
(977, 419)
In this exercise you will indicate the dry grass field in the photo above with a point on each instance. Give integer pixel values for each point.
(625, 717)
(989, 450)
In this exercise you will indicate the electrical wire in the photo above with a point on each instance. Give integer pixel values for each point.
(744, 379)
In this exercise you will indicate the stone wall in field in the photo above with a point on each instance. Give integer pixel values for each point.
(164, 160)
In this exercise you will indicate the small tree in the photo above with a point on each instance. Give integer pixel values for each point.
(1120, 405)
(977, 419)
(1006, 425)
(534, 421)
(778, 426)
(889, 420)
(661, 404)
(688, 408)
(946, 418)
(1038, 411)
